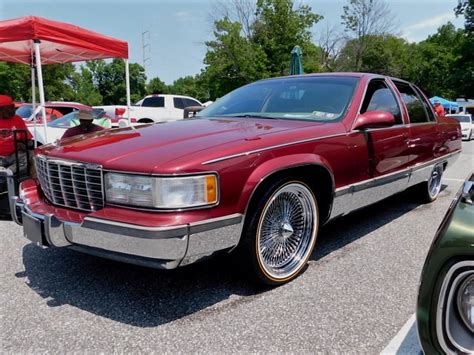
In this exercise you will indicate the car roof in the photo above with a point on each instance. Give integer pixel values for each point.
(343, 74)
(61, 104)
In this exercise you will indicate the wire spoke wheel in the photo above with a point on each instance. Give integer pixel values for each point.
(287, 231)
(434, 182)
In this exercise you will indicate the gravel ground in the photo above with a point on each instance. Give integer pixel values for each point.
(357, 292)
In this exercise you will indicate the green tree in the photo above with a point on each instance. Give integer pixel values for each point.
(464, 71)
(434, 62)
(157, 86)
(56, 81)
(15, 80)
(194, 86)
(109, 78)
(362, 20)
(232, 60)
(85, 91)
(279, 27)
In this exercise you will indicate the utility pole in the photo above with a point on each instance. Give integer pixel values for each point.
(146, 49)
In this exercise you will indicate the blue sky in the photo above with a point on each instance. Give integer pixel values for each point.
(179, 28)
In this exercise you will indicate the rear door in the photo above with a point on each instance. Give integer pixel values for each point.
(424, 137)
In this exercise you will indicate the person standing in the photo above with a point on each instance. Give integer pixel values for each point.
(439, 108)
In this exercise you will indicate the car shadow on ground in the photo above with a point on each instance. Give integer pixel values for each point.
(364, 221)
(146, 297)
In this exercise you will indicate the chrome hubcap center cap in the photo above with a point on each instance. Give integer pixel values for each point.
(286, 230)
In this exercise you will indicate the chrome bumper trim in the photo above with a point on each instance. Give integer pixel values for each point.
(159, 247)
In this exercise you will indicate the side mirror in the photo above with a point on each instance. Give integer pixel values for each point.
(374, 119)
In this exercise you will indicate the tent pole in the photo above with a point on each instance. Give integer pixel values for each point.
(33, 100)
(40, 87)
(127, 84)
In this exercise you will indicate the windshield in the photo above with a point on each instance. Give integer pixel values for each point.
(24, 111)
(300, 98)
(461, 118)
(70, 120)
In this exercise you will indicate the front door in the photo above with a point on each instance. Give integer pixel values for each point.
(387, 148)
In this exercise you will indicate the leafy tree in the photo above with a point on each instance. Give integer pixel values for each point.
(232, 60)
(279, 27)
(194, 86)
(15, 80)
(56, 81)
(157, 86)
(464, 71)
(85, 91)
(362, 19)
(109, 79)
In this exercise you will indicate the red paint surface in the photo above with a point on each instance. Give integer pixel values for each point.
(183, 146)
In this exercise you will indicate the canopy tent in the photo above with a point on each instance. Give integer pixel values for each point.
(35, 41)
(446, 103)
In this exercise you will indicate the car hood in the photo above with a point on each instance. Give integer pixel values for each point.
(165, 147)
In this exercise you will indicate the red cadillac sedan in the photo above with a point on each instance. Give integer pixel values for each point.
(256, 174)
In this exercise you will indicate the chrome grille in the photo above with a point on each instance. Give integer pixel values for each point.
(71, 184)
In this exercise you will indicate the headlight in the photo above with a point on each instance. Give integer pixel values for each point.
(466, 302)
(161, 192)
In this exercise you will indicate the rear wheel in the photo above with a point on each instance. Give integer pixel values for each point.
(429, 190)
(281, 234)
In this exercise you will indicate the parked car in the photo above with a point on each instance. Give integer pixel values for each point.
(56, 128)
(256, 173)
(152, 108)
(466, 124)
(54, 110)
(445, 313)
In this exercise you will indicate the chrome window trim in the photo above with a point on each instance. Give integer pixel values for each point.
(389, 87)
(249, 152)
(440, 305)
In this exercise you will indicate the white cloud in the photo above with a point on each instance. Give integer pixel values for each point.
(183, 16)
(433, 22)
(419, 30)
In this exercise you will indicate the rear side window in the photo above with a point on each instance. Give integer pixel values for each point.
(426, 104)
(179, 103)
(415, 106)
(190, 102)
(154, 101)
(380, 98)
(24, 111)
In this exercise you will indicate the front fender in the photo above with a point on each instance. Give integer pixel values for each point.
(276, 165)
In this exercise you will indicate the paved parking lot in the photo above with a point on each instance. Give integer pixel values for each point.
(357, 293)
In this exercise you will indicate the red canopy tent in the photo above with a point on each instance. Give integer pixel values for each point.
(35, 41)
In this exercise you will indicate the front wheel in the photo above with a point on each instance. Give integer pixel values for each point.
(281, 234)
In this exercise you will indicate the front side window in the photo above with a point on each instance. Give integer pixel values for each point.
(380, 98)
(154, 101)
(323, 98)
(414, 104)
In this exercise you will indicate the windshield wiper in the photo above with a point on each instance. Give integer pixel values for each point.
(256, 116)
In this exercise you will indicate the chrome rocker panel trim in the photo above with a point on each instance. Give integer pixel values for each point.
(361, 194)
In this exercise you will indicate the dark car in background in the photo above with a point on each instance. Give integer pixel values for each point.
(445, 312)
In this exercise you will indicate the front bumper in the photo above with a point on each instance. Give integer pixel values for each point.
(159, 247)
